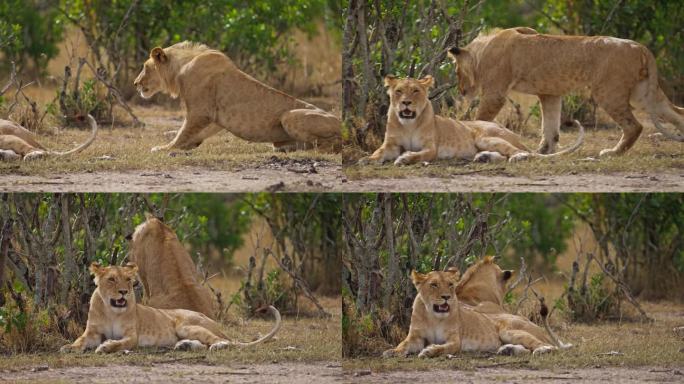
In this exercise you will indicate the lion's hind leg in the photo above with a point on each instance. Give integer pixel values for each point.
(193, 337)
(497, 144)
(14, 145)
(313, 126)
(525, 339)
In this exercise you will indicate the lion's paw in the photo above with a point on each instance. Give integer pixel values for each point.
(543, 349)
(189, 345)
(512, 350)
(105, 347)
(430, 351)
(34, 155)
(608, 152)
(219, 345)
(522, 156)
(68, 349)
(488, 157)
(158, 148)
(8, 154)
(402, 160)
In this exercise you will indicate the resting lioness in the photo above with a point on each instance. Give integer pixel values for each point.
(115, 318)
(415, 134)
(18, 142)
(621, 75)
(440, 325)
(218, 95)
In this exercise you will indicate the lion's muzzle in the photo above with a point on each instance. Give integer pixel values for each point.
(118, 303)
(441, 308)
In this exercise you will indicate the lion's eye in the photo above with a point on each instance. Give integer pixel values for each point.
(415, 91)
(433, 285)
(111, 279)
(451, 285)
(398, 92)
(128, 279)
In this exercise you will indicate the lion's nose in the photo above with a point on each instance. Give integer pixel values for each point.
(446, 297)
(406, 102)
(123, 292)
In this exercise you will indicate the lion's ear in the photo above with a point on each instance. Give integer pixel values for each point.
(455, 273)
(455, 52)
(131, 268)
(96, 270)
(418, 278)
(390, 81)
(427, 81)
(157, 54)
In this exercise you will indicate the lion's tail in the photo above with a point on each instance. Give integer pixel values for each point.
(270, 335)
(544, 312)
(662, 106)
(93, 125)
(578, 143)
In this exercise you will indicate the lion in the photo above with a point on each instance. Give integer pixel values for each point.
(167, 273)
(217, 96)
(441, 325)
(415, 134)
(621, 75)
(483, 286)
(18, 142)
(115, 318)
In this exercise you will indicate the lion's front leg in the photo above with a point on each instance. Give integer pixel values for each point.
(89, 339)
(412, 343)
(127, 343)
(190, 135)
(410, 157)
(388, 151)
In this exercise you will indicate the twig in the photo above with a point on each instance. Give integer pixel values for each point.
(117, 95)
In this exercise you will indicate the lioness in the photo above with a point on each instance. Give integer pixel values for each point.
(621, 75)
(18, 142)
(116, 318)
(415, 134)
(168, 275)
(440, 325)
(217, 95)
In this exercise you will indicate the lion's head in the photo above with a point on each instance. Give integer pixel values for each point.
(465, 71)
(150, 80)
(483, 281)
(408, 97)
(437, 290)
(115, 285)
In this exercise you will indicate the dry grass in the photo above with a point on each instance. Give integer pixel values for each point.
(649, 154)
(300, 340)
(638, 344)
(129, 149)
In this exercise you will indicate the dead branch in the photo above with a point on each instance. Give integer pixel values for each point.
(113, 91)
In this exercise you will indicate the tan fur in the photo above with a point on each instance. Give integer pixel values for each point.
(462, 328)
(419, 135)
(218, 95)
(621, 75)
(111, 329)
(483, 282)
(166, 270)
(18, 142)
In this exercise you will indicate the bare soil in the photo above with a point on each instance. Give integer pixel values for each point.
(507, 375)
(178, 372)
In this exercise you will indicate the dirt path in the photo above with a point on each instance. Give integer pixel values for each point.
(183, 373)
(324, 177)
(488, 375)
(328, 177)
(623, 182)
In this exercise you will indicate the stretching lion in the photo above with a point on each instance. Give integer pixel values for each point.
(621, 75)
(115, 318)
(415, 134)
(217, 95)
(440, 325)
(18, 142)
(168, 275)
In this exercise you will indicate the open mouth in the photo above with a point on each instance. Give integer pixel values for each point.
(118, 303)
(441, 308)
(407, 114)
